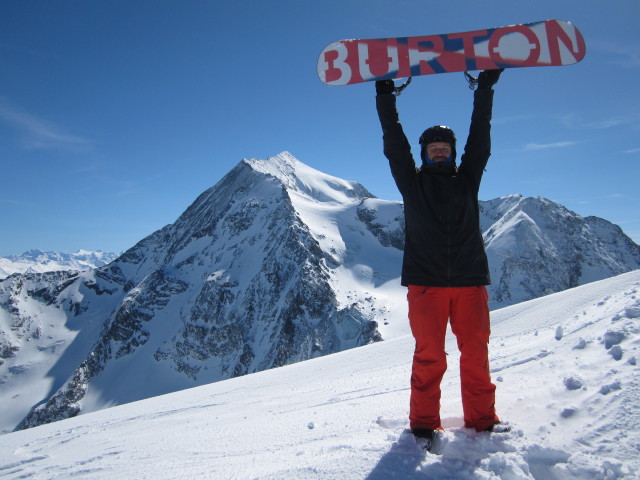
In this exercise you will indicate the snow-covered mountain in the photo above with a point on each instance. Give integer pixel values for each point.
(37, 261)
(568, 381)
(245, 280)
(275, 264)
(537, 247)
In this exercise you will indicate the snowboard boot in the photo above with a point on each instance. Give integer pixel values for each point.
(499, 427)
(425, 437)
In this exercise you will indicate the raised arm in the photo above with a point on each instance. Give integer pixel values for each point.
(396, 146)
(478, 147)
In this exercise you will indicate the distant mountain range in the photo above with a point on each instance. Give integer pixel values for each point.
(37, 261)
(275, 264)
(537, 247)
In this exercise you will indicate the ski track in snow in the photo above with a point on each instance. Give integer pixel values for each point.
(565, 367)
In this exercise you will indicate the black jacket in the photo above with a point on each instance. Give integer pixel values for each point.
(443, 240)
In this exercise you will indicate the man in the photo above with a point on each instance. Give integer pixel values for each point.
(445, 266)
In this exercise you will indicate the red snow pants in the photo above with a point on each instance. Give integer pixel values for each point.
(467, 309)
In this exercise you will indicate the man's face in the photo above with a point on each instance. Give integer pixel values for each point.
(438, 151)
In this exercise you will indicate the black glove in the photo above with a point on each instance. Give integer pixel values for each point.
(488, 78)
(384, 87)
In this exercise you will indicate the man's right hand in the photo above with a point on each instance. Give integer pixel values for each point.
(384, 87)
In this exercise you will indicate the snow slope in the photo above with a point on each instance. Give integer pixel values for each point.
(567, 376)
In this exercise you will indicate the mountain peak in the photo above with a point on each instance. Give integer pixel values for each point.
(304, 180)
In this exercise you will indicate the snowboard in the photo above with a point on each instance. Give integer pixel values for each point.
(538, 44)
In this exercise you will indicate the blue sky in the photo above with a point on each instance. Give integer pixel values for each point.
(115, 115)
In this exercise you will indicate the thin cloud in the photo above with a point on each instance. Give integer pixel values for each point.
(612, 122)
(633, 150)
(606, 123)
(572, 121)
(622, 196)
(39, 134)
(546, 146)
(625, 55)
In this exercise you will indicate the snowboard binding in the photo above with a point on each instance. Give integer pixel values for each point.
(398, 90)
(473, 81)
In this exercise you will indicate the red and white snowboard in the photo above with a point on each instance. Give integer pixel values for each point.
(539, 44)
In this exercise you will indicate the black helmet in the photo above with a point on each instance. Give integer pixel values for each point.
(439, 133)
